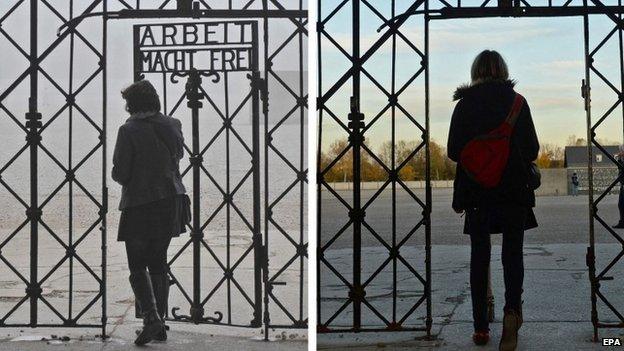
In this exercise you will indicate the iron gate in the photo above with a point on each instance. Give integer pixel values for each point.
(356, 286)
(222, 119)
(59, 246)
(73, 17)
(331, 109)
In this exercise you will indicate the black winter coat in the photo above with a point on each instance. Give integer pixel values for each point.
(481, 108)
(142, 162)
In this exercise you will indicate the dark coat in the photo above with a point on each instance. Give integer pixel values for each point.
(481, 108)
(141, 161)
(620, 160)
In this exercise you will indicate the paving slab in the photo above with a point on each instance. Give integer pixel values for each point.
(556, 299)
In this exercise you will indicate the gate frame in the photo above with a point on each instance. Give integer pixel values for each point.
(517, 8)
(189, 9)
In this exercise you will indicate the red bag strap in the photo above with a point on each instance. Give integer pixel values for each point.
(515, 110)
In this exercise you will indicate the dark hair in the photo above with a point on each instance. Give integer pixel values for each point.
(488, 65)
(141, 96)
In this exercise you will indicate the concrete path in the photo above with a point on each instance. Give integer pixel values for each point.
(562, 219)
(556, 299)
(181, 337)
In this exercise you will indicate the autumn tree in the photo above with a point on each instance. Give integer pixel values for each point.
(409, 154)
(550, 156)
(342, 169)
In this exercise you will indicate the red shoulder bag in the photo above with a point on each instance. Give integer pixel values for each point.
(485, 157)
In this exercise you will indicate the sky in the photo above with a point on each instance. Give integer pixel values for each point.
(545, 56)
(119, 75)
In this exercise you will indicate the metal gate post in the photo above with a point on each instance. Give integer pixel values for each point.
(428, 200)
(590, 258)
(194, 96)
(356, 138)
(261, 257)
(33, 138)
(103, 134)
(357, 213)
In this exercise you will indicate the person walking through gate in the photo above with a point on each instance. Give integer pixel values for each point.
(620, 158)
(505, 206)
(575, 184)
(154, 207)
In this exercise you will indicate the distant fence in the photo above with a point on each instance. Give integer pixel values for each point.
(554, 182)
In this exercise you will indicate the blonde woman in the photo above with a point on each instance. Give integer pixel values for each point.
(507, 208)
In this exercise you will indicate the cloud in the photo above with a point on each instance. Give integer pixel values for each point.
(466, 35)
(453, 36)
(558, 68)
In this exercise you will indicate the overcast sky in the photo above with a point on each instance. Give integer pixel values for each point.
(119, 75)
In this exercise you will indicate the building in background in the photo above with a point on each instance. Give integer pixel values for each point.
(604, 170)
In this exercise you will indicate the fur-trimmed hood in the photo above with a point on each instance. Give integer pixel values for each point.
(466, 89)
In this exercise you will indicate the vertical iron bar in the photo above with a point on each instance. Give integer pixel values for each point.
(302, 166)
(33, 123)
(427, 212)
(621, 51)
(193, 97)
(104, 163)
(590, 181)
(136, 52)
(260, 258)
(228, 205)
(164, 98)
(394, 176)
(69, 162)
(356, 142)
(265, 111)
(319, 176)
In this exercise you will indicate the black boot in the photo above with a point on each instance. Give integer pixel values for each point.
(144, 294)
(161, 284)
(161, 293)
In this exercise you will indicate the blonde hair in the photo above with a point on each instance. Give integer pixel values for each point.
(488, 65)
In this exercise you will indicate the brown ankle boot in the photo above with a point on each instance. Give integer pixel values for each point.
(511, 323)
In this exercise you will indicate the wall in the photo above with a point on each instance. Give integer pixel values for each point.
(554, 182)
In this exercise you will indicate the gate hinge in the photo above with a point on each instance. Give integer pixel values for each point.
(104, 209)
(356, 118)
(259, 83)
(264, 255)
(586, 93)
(33, 124)
(589, 258)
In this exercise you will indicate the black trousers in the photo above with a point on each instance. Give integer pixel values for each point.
(512, 222)
(621, 204)
(150, 253)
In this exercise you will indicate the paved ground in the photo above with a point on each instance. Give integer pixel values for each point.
(120, 301)
(181, 337)
(557, 304)
(227, 297)
(562, 219)
(556, 300)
